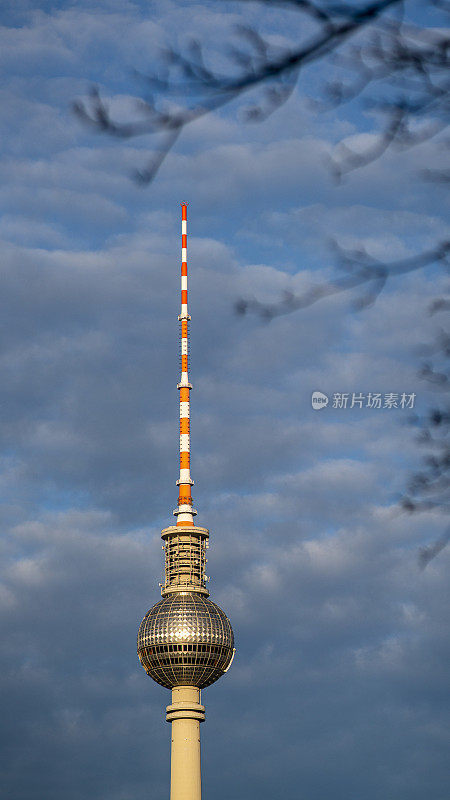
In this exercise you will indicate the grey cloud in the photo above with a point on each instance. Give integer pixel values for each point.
(20, 229)
(392, 233)
(326, 631)
(102, 361)
(339, 680)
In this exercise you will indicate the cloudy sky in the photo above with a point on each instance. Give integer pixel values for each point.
(339, 681)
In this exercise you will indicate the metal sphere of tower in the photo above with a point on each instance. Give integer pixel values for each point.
(185, 641)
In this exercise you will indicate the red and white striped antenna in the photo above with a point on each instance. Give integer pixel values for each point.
(184, 513)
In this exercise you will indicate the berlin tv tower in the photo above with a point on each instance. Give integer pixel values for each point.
(185, 642)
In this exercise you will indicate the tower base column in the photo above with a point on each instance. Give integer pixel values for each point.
(185, 714)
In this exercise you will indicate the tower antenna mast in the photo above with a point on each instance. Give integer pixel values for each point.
(185, 642)
(184, 513)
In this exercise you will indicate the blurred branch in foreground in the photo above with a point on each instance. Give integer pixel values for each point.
(362, 270)
(426, 554)
(396, 64)
(256, 64)
(429, 489)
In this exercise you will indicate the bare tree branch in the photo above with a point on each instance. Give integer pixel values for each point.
(374, 48)
(210, 91)
(429, 489)
(426, 554)
(362, 269)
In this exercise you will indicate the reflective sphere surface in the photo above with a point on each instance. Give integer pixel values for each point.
(185, 640)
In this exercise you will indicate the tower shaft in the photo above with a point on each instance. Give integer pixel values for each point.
(185, 715)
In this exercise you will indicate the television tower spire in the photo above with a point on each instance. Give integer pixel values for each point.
(184, 513)
(185, 642)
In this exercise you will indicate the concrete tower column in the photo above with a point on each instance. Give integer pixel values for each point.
(185, 715)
